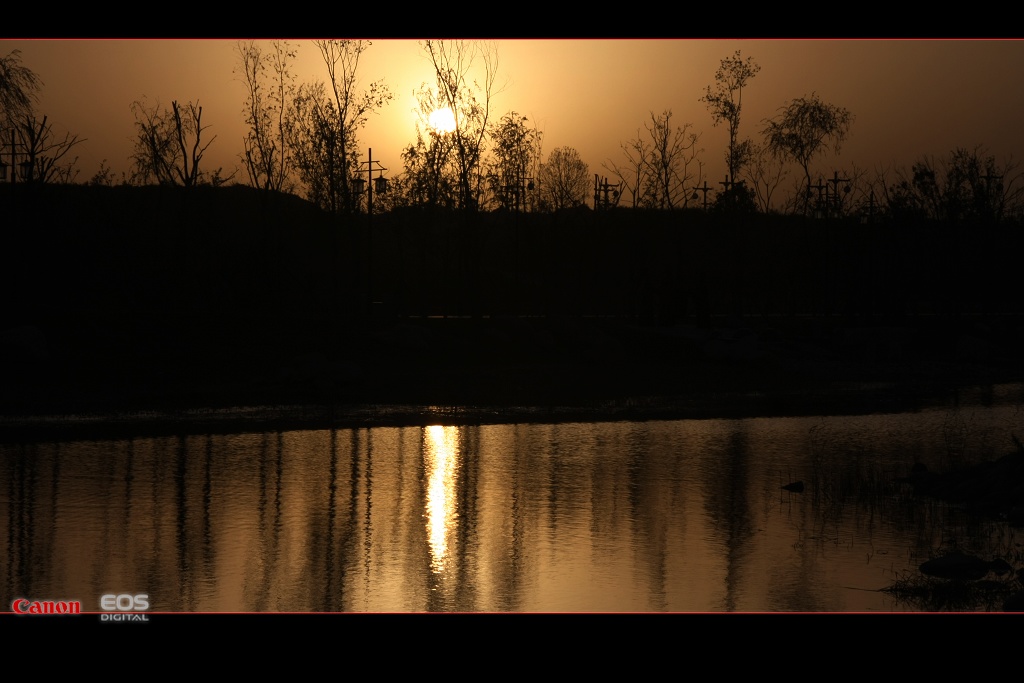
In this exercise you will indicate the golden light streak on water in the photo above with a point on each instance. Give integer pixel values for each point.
(441, 462)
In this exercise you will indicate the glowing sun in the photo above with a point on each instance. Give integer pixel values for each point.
(442, 121)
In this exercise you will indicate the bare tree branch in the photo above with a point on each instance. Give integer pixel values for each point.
(168, 145)
(44, 151)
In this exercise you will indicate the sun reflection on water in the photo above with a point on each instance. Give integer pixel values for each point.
(441, 463)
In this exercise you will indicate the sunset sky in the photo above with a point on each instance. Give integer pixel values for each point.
(910, 97)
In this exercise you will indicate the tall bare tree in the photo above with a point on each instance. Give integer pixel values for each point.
(634, 172)
(673, 161)
(725, 102)
(169, 145)
(765, 173)
(269, 85)
(324, 121)
(662, 165)
(45, 152)
(469, 100)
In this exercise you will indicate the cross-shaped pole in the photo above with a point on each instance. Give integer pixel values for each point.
(705, 189)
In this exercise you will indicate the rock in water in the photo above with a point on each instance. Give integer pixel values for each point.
(957, 566)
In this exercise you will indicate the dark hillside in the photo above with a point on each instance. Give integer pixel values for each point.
(134, 297)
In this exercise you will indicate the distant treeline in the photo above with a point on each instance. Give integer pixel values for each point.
(122, 251)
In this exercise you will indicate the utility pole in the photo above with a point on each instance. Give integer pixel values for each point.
(835, 180)
(602, 188)
(819, 187)
(705, 189)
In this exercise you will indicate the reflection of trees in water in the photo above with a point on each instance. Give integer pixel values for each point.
(329, 548)
(726, 499)
(18, 541)
(511, 569)
(368, 513)
(265, 551)
(334, 519)
(467, 491)
(839, 507)
(491, 537)
(181, 510)
(649, 518)
(858, 493)
(193, 536)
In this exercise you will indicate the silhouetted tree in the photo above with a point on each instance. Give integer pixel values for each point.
(563, 181)
(764, 173)
(19, 88)
(968, 185)
(634, 173)
(269, 84)
(431, 172)
(45, 152)
(470, 103)
(342, 60)
(169, 145)
(324, 121)
(725, 102)
(515, 153)
(738, 198)
(398, 195)
(805, 128)
(672, 158)
(105, 176)
(314, 139)
(659, 168)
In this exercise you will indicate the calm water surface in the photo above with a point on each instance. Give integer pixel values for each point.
(685, 515)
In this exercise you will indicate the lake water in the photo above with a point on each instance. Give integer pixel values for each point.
(682, 516)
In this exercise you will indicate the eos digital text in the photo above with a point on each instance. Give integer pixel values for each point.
(124, 607)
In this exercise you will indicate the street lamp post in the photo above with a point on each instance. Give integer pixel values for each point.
(25, 167)
(705, 189)
(518, 192)
(380, 184)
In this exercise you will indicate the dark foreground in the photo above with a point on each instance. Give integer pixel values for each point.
(155, 308)
(95, 377)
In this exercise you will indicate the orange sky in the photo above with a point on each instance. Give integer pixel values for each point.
(910, 98)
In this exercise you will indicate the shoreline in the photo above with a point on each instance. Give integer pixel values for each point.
(139, 378)
(874, 398)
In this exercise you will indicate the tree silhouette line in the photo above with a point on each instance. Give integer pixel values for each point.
(303, 138)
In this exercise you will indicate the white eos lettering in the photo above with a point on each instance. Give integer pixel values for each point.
(125, 602)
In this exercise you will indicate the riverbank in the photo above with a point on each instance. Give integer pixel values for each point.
(92, 377)
(177, 302)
